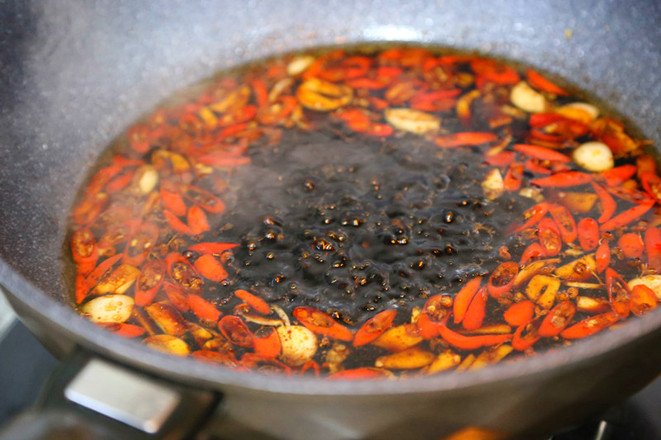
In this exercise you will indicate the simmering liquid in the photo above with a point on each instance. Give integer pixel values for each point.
(369, 214)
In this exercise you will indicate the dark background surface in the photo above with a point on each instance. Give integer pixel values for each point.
(25, 365)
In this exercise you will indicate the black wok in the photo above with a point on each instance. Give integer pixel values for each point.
(74, 74)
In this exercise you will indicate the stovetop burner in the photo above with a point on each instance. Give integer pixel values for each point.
(25, 365)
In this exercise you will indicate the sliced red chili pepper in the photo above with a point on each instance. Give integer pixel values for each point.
(205, 199)
(500, 159)
(177, 224)
(542, 153)
(590, 326)
(176, 296)
(357, 374)
(533, 251)
(618, 175)
(514, 178)
(627, 217)
(433, 316)
(502, 278)
(84, 250)
(212, 247)
(172, 200)
(150, 279)
(466, 139)
(611, 132)
(463, 299)
(139, 138)
(520, 313)
(471, 342)
(534, 216)
(369, 83)
(203, 309)
(263, 364)
(311, 365)
(563, 180)
(183, 273)
(116, 234)
(588, 233)
(122, 329)
(630, 195)
(557, 319)
(223, 160)
(87, 211)
(619, 294)
(608, 205)
(534, 167)
(643, 300)
(236, 331)
(645, 164)
(603, 257)
(374, 327)
(652, 185)
(192, 125)
(322, 324)
(140, 243)
(120, 182)
(210, 268)
(267, 342)
(256, 303)
(492, 71)
(549, 236)
(217, 357)
(476, 310)
(555, 127)
(239, 116)
(527, 335)
(261, 92)
(538, 120)
(197, 220)
(632, 245)
(277, 111)
(427, 96)
(82, 290)
(565, 222)
(653, 248)
(438, 101)
(544, 85)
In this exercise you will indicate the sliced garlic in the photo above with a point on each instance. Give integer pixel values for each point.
(167, 344)
(594, 156)
(579, 111)
(118, 281)
(578, 270)
(412, 121)
(167, 317)
(490, 356)
(493, 185)
(147, 178)
(399, 338)
(109, 308)
(299, 64)
(526, 98)
(444, 361)
(651, 281)
(299, 344)
(411, 358)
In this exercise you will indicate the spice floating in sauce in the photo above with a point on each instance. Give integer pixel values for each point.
(370, 214)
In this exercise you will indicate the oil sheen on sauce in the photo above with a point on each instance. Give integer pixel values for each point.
(369, 213)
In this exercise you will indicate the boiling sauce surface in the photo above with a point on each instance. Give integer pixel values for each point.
(369, 214)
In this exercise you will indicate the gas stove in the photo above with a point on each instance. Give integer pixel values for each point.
(25, 365)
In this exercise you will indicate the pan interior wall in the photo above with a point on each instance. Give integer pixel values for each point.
(76, 75)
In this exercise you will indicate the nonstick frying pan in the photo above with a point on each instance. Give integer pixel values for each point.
(75, 74)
